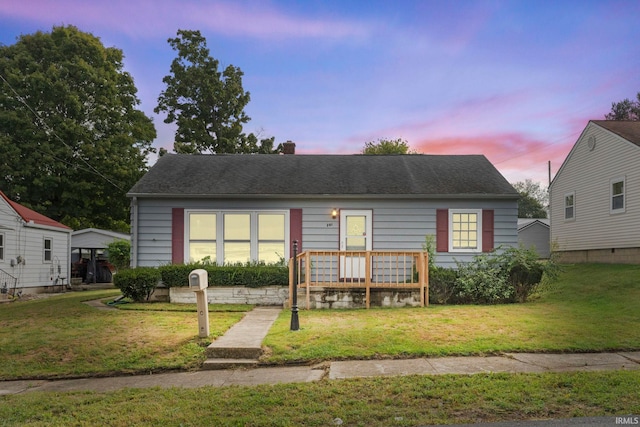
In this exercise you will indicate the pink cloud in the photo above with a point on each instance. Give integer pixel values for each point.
(517, 155)
(147, 18)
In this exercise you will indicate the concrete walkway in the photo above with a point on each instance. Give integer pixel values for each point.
(241, 346)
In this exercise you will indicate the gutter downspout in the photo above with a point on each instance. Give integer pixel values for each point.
(134, 232)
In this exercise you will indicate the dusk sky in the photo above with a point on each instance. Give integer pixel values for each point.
(516, 81)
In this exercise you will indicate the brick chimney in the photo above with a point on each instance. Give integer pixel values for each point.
(288, 147)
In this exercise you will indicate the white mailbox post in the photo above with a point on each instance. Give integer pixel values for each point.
(198, 282)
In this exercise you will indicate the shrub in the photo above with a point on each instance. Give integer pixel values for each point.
(510, 276)
(442, 284)
(483, 281)
(137, 283)
(251, 275)
(119, 253)
(523, 270)
(429, 246)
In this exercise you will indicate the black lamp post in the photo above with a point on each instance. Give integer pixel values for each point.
(295, 322)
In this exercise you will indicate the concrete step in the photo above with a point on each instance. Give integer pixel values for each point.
(217, 364)
(215, 351)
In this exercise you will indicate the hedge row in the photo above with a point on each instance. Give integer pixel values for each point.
(139, 283)
(252, 276)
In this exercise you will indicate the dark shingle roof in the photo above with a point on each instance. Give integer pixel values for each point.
(263, 175)
(629, 130)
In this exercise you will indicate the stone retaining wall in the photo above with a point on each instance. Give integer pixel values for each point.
(319, 297)
(268, 295)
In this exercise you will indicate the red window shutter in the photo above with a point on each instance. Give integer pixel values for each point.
(177, 236)
(487, 230)
(295, 229)
(442, 230)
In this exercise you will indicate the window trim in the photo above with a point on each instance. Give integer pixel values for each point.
(573, 206)
(479, 230)
(45, 250)
(2, 246)
(611, 195)
(220, 238)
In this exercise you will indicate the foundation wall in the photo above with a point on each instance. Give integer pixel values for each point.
(602, 256)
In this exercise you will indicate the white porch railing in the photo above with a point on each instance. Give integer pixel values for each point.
(362, 269)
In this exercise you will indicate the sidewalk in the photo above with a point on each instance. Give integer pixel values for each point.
(247, 336)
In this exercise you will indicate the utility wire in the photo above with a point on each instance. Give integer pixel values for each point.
(547, 145)
(40, 122)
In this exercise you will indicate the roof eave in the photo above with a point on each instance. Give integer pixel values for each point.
(504, 196)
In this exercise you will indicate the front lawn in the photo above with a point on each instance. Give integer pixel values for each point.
(591, 308)
(59, 336)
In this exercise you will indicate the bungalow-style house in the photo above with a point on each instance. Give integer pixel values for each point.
(89, 256)
(34, 250)
(595, 196)
(345, 211)
(238, 208)
(534, 233)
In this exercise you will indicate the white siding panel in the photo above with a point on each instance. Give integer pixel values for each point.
(588, 173)
(28, 242)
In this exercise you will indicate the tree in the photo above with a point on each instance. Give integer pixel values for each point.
(533, 199)
(625, 110)
(72, 141)
(207, 105)
(388, 146)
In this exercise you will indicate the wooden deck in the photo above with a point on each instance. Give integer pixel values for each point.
(361, 269)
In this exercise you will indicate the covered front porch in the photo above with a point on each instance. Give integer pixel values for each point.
(352, 272)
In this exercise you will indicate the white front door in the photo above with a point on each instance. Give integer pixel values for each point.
(355, 235)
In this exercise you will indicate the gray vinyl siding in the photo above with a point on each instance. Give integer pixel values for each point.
(588, 174)
(398, 224)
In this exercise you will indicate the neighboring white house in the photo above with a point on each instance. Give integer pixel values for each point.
(34, 250)
(88, 254)
(534, 233)
(595, 196)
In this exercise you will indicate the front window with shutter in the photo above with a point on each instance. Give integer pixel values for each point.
(465, 227)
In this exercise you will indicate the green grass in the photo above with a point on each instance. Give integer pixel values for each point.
(61, 337)
(389, 401)
(191, 308)
(591, 308)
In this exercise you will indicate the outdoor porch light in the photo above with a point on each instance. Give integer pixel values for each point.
(334, 213)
